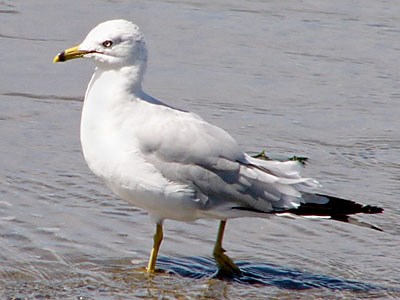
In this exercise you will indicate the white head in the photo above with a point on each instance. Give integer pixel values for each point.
(112, 44)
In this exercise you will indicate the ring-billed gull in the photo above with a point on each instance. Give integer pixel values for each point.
(173, 164)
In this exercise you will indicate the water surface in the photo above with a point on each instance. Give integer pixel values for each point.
(312, 78)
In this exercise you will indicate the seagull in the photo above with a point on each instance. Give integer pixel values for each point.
(172, 163)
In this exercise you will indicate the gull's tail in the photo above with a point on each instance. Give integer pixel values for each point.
(323, 206)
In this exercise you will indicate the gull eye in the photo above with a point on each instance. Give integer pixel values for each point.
(107, 43)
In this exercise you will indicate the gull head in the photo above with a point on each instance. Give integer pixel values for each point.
(112, 44)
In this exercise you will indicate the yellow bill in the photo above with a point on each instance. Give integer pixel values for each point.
(68, 54)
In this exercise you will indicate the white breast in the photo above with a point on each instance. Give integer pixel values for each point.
(111, 150)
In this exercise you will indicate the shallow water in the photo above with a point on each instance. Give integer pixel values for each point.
(310, 78)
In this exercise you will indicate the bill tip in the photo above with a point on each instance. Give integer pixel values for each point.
(60, 57)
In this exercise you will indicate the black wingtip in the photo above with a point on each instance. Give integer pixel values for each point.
(376, 228)
(324, 205)
(368, 209)
(354, 221)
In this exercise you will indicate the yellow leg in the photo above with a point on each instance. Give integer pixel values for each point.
(226, 267)
(158, 236)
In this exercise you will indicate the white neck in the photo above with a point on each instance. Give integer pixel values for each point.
(127, 80)
(107, 96)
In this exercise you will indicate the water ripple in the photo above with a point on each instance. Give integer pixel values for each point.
(262, 274)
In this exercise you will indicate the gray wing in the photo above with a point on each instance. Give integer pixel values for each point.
(187, 150)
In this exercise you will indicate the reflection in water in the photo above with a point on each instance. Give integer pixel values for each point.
(177, 278)
(261, 274)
